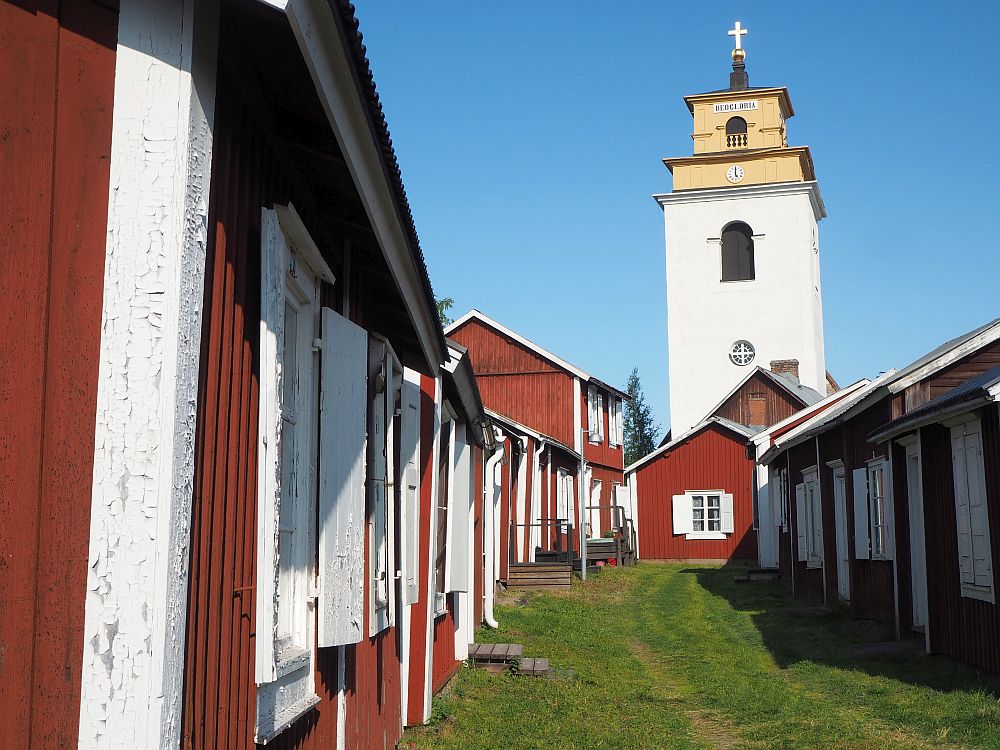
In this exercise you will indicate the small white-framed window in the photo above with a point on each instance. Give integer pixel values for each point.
(385, 381)
(595, 415)
(975, 560)
(446, 460)
(615, 431)
(292, 269)
(873, 515)
(809, 519)
(703, 514)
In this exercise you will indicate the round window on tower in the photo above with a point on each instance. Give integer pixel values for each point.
(741, 353)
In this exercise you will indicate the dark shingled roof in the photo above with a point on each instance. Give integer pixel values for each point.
(354, 41)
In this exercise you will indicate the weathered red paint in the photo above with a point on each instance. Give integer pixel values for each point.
(58, 63)
(714, 458)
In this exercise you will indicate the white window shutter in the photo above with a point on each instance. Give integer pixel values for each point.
(410, 505)
(593, 435)
(979, 522)
(800, 521)
(728, 526)
(817, 514)
(861, 521)
(272, 314)
(460, 510)
(682, 515)
(600, 417)
(570, 503)
(962, 516)
(343, 411)
(889, 510)
(775, 500)
(379, 517)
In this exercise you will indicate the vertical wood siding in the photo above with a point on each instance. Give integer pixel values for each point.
(419, 611)
(251, 169)
(58, 63)
(443, 664)
(778, 404)
(960, 627)
(516, 382)
(715, 458)
(809, 582)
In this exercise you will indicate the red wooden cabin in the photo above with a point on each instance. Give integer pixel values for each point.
(844, 502)
(695, 495)
(573, 412)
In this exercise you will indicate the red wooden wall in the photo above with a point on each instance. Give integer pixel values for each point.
(967, 629)
(57, 62)
(516, 382)
(714, 458)
(777, 403)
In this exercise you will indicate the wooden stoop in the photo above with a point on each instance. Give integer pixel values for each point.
(540, 575)
(498, 657)
(759, 575)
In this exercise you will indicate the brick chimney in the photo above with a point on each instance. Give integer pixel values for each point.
(786, 367)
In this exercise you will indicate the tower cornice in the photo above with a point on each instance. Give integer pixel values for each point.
(711, 195)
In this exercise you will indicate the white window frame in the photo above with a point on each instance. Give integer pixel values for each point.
(880, 509)
(440, 599)
(970, 484)
(595, 415)
(615, 431)
(685, 520)
(812, 522)
(382, 483)
(292, 269)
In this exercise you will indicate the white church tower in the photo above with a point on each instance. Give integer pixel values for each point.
(743, 286)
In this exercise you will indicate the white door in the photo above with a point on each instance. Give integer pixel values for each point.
(918, 559)
(767, 530)
(843, 559)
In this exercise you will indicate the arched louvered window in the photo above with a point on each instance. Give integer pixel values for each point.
(737, 252)
(736, 125)
(736, 132)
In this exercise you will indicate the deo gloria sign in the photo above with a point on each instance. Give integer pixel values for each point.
(736, 106)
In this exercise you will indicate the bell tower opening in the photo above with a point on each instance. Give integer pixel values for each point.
(736, 132)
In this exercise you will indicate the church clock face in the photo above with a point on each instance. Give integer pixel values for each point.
(741, 353)
(735, 173)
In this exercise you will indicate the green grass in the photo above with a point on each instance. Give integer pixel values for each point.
(677, 656)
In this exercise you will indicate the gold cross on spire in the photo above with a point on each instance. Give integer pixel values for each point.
(737, 32)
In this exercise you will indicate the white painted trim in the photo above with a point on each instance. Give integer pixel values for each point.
(708, 195)
(483, 318)
(763, 438)
(577, 416)
(140, 527)
(328, 60)
(837, 465)
(429, 635)
(301, 241)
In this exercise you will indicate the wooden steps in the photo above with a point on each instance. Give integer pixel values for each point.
(540, 576)
(758, 575)
(499, 657)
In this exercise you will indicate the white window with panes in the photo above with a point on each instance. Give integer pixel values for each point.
(595, 415)
(873, 514)
(289, 481)
(703, 514)
(616, 434)
(809, 519)
(975, 560)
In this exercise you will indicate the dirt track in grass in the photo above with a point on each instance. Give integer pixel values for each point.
(680, 656)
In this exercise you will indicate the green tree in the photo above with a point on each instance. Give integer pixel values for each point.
(641, 429)
(444, 305)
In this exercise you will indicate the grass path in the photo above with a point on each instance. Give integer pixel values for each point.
(670, 656)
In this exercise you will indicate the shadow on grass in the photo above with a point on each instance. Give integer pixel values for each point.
(796, 631)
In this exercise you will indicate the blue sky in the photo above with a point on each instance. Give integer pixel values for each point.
(530, 136)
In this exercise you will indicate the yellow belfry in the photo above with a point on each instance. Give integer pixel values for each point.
(739, 135)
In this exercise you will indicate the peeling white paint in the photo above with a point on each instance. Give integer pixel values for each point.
(151, 328)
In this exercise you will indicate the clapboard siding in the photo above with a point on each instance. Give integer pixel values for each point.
(960, 627)
(517, 382)
(777, 403)
(714, 458)
(58, 63)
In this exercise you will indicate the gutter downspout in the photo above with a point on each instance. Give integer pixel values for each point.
(491, 499)
(584, 500)
(819, 489)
